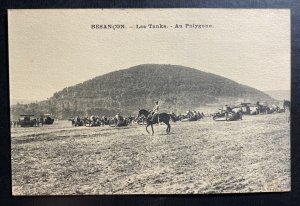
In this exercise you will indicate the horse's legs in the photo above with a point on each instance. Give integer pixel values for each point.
(168, 128)
(147, 128)
(152, 129)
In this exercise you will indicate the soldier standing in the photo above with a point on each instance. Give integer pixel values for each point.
(227, 110)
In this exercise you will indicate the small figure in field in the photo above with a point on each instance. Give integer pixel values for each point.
(120, 121)
(227, 110)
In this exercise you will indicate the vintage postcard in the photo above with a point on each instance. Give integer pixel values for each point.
(149, 101)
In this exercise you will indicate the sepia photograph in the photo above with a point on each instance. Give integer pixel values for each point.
(149, 101)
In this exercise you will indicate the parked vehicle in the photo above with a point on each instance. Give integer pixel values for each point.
(26, 120)
(48, 119)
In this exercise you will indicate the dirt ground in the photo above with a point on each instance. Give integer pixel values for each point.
(251, 155)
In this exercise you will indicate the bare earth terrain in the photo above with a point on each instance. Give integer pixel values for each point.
(252, 155)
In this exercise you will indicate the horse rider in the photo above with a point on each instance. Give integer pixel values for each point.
(155, 111)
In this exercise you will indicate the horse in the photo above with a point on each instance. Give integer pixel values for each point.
(140, 120)
(76, 122)
(104, 121)
(129, 120)
(92, 121)
(121, 121)
(161, 117)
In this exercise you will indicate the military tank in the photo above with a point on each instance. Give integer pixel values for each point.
(48, 119)
(26, 120)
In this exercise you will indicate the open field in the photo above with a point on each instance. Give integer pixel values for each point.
(252, 155)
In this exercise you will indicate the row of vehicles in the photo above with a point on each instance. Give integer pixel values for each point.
(233, 113)
(29, 120)
(227, 113)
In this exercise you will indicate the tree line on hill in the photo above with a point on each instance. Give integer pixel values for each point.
(176, 87)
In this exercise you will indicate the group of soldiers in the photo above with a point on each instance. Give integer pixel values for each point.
(117, 120)
(194, 114)
(14, 123)
(190, 114)
(96, 120)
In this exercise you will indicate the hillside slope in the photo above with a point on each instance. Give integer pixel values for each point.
(177, 88)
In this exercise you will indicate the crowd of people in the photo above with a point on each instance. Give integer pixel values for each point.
(97, 120)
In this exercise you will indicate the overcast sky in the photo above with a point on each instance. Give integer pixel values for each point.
(52, 49)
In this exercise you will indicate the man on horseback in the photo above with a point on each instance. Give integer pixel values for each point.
(155, 111)
(151, 118)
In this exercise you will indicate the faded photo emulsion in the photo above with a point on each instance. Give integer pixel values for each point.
(149, 101)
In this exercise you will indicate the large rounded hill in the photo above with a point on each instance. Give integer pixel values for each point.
(178, 88)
